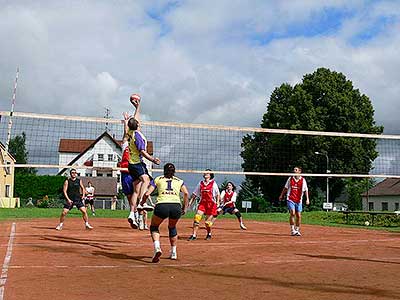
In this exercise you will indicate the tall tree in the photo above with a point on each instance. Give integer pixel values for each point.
(323, 101)
(17, 148)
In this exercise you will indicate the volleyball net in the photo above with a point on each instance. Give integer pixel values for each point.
(54, 142)
(258, 159)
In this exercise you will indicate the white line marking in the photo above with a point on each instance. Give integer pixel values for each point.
(7, 260)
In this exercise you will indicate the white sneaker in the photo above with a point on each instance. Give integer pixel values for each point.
(293, 233)
(173, 256)
(59, 227)
(133, 223)
(156, 256)
(298, 233)
(139, 207)
(242, 226)
(141, 223)
(147, 207)
(88, 226)
(145, 227)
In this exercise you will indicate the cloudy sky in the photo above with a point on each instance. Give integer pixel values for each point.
(193, 61)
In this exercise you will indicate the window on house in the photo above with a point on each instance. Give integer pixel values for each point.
(100, 157)
(396, 206)
(8, 188)
(109, 175)
(88, 175)
(119, 178)
(370, 206)
(110, 157)
(8, 170)
(385, 206)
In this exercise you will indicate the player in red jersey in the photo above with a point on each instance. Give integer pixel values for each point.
(294, 189)
(208, 192)
(228, 205)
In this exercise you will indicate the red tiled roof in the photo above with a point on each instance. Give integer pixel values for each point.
(74, 145)
(387, 187)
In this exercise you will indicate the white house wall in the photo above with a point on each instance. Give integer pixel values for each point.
(377, 200)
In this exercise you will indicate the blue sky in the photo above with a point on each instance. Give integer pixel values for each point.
(195, 59)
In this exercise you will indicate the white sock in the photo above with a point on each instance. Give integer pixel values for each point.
(131, 215)
(61, 224)
(297, 228)
(292, 227)
(173, 249)
(86, 223)
(156, 244)
(136, 214)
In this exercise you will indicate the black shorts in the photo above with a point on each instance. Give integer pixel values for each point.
(228, 210)
(168, 210)
(137, 170)
(89, 200)
(77, 202)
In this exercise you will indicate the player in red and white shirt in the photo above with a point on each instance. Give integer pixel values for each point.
(208, 192)
(228, 205)
(294, 189)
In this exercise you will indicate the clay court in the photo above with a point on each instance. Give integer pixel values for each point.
(264, 262)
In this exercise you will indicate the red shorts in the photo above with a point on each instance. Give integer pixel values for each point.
(208, 207)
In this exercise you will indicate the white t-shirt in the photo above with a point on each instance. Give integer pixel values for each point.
(90, 190)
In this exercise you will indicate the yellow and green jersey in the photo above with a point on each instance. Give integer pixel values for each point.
(168, 189)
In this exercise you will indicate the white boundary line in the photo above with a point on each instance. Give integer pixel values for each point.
(7, 260)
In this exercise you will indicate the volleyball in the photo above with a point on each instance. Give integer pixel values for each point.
(135, 99)
(366, 223)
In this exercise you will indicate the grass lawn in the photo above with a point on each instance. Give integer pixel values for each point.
(314, 218)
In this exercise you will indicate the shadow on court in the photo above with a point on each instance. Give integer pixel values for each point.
(321, 256)
(85, 242)
(113, 255)
(305, 285)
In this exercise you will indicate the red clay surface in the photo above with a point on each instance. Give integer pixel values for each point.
(264, 262)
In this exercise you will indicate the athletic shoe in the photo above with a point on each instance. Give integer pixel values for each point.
(208, 236)
(173, 256)
(192, 238)
(293, 233)
(139, 207)
(147, 207)
(133, 223)
(59, 227)
(298, 233)
(242, 226)
(141, 223)
(156, 256)
(145, 227)
(88, 226)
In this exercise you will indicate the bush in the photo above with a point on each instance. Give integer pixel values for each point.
(37, 187)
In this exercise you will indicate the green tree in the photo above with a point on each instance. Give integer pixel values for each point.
(17, 148)
(323, 101)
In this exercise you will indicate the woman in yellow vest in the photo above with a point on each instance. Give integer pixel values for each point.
(168, 205)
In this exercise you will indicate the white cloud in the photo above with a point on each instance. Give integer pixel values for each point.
(196, 62)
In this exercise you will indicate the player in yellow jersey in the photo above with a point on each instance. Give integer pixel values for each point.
(168, 205)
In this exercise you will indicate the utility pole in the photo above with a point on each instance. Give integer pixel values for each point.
(12, 110)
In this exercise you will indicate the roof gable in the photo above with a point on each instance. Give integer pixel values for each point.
(387, 187)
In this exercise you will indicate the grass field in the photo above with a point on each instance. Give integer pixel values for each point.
(312, 218)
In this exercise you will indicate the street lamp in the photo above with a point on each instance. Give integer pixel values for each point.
(327, 172)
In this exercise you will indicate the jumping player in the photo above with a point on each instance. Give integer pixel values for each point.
(208, 192)
(168, 205)
(89, 200)
(294, 189)
(137, 150)
(228, 205)
(72, 191)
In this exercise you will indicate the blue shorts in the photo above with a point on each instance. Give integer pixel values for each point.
(137, 170)
(127, 183)
(297, 207)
